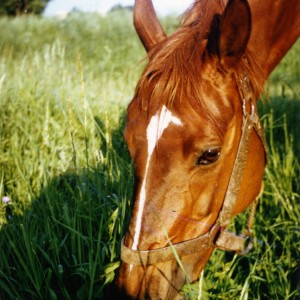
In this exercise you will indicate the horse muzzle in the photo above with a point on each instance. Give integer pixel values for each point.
(162, 280)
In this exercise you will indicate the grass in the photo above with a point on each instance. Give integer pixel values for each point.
(64, 87)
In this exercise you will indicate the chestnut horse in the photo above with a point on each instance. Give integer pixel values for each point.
(194, 135)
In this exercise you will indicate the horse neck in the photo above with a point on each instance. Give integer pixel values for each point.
(276, 27)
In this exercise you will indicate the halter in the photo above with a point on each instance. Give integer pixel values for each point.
(217, 236)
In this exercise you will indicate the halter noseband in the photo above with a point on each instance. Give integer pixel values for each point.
(217, 236)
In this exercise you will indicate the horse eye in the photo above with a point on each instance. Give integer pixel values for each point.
(208, 157)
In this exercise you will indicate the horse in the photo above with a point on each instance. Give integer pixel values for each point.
(195, 138)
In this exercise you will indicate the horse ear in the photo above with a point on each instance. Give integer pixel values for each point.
(229, 34)
(147, 24)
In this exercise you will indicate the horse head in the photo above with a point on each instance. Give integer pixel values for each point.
(196, 142)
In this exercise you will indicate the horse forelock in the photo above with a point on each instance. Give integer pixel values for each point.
(176, 67)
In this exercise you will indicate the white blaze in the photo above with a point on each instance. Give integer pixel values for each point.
(156, 127)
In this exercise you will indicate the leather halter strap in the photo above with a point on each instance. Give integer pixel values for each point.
(250, 121)
(225, 240)
(150, 257)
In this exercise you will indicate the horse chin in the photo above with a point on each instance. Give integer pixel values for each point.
(159, 281)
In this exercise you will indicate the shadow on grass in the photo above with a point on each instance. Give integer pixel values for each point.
(66, 245)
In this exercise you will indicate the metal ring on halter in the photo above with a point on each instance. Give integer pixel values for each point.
(248, 243)
(252, 112)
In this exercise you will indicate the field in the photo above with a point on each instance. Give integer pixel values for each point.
(67, 176)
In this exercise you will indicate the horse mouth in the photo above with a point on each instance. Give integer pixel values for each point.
(151, 282)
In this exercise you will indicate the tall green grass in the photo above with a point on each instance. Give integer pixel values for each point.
(65, 85)
(64, 88)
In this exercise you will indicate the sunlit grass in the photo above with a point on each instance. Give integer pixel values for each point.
(64, 87)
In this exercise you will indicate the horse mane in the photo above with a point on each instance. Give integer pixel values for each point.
(176, 63)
